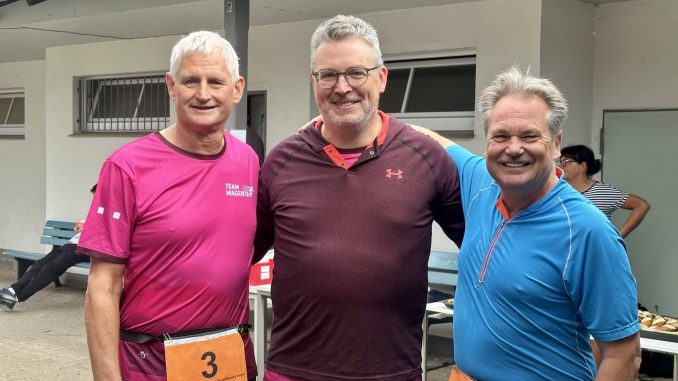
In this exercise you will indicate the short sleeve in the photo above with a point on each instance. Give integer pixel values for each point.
(473, 174)
(111, 216)
(598, 278)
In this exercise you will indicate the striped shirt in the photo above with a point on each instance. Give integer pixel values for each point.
(606, 197)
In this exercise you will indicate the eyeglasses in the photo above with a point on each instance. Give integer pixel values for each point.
(355, 76)
(563, 162)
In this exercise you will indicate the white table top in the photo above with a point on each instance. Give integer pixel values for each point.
(659, 345)
(263, 289)
(439, 307)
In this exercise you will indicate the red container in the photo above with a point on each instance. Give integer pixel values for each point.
(261, 273)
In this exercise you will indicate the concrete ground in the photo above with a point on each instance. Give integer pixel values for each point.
(44, 338)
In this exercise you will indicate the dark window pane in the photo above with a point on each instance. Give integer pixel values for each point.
(439, 89)
(155, 101)
(391, 100)
(117, 100)
(4, 108)
(89, 88)
(16, 114)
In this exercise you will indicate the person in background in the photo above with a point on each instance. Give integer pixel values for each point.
(541, 270)
(44, 271)
(579, 165)
(170, 233)
(348, 205)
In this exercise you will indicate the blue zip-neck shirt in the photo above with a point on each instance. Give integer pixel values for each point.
(533, 288)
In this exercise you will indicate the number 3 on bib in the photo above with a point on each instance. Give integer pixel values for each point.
(215, 356)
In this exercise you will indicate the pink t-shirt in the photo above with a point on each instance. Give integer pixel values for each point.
(183, 224)
(351, 156)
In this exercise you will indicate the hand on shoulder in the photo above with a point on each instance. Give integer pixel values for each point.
(443, 141)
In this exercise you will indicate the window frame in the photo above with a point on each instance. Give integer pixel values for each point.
(87, 123)
(448, 123)
(12, 130)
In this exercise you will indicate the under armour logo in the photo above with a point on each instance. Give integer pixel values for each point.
(397, 174)
(143, 355)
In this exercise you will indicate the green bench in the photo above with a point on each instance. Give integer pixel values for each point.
(55, 233)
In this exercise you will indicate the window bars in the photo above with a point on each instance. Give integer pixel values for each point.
(123, 104)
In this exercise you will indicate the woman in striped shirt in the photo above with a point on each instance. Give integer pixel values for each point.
(579, 165)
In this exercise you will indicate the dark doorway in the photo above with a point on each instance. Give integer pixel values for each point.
(256, 123)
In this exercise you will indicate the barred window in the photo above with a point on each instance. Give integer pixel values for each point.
(438, 93)
(11, 114)
(124, 104)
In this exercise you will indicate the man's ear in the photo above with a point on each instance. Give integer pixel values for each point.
(558, 139)
(238, 89)
(169, 81)
(383, 75)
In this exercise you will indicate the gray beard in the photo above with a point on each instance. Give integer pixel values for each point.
(358, 123)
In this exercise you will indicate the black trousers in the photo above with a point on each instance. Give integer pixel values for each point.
(47, 270)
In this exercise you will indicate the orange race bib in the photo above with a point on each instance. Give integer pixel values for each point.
(218, 356)
(458, 375)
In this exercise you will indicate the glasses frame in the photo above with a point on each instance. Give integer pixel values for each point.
(316, 75)
(565, 162)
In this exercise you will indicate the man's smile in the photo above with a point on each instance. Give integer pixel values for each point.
(515, 164)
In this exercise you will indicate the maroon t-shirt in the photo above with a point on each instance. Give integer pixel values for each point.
(351, 252)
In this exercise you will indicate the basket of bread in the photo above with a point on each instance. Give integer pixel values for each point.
(665, 326)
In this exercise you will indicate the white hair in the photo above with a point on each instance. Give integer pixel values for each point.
(204, 42)
(514, 81)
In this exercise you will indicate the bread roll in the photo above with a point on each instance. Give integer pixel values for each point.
(658, 321)
(646, 322)
(667, 328)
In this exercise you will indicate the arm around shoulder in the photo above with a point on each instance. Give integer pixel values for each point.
(443, 141)
(102, 318)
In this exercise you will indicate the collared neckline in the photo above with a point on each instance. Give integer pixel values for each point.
(334, 153)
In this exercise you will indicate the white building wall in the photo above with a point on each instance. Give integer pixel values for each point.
(22, 161)
(279, 64)
(636, 58)
(567, 59)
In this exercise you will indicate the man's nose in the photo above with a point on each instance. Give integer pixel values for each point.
(514, 146)
(342, 85)
(203, 92)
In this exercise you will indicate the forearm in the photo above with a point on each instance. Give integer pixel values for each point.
(638, 208)
(620, 359)
(618, 370)
(102, 318)
(102, 322)
(635, 218)
(263, 239)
